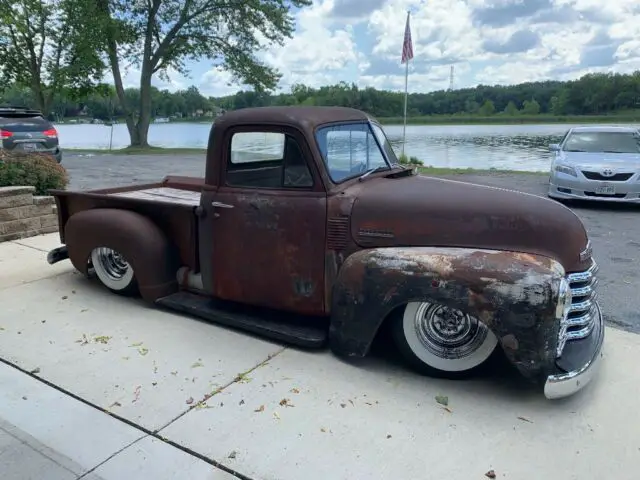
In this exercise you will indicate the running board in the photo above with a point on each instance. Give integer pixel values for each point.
(308, 332)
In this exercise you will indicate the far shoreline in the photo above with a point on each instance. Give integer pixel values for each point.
(444, 120)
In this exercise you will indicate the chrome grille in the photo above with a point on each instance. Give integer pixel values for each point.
(583, 312)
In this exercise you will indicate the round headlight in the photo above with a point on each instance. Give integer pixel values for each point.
(564, 300)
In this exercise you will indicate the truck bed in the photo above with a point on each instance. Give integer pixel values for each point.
(170, 204)
(162, 194)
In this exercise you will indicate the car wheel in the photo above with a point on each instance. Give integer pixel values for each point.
(114, 271)
(441, 341)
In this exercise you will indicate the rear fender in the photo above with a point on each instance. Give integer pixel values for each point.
(142, 242)
(514, 294)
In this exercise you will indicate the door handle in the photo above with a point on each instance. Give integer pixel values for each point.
(221, 205)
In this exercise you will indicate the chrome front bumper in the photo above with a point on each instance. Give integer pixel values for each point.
(566, 384)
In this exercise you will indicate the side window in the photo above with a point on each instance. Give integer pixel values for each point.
(267, 160)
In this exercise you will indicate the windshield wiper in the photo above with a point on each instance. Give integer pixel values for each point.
(373, 170)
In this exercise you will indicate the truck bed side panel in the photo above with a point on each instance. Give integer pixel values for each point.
(174, 213)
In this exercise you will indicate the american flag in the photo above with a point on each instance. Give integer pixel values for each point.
(407, 45)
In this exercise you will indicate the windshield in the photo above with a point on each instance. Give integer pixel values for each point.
(382, 140)
(349, 150)
(607, 142)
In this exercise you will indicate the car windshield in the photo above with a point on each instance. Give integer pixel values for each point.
(606, 142)
(349, 150)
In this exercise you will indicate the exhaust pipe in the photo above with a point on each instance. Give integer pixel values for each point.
(57, 254)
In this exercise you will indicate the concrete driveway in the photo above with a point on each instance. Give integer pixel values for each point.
(221, 403)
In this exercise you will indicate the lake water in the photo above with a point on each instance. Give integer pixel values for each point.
(513, 147)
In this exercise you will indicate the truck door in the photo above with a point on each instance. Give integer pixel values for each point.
(266, 222)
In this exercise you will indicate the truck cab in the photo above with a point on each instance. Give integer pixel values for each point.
(306, 229)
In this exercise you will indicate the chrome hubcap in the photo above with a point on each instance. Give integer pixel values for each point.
(112, 263)
(448, 332)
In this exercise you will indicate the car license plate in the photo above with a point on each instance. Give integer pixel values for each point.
(606, 190)
(29, 147)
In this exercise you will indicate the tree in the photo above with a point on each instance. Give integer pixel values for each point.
(511, 108)
(158, 36)
(487, 108)
(45, 48)
(531, 107)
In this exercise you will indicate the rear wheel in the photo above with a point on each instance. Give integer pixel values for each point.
(441, 341)
(114, 271)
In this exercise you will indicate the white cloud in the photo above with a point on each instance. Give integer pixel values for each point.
(488, 41)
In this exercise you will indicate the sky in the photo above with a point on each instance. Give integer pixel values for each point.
(486, 41)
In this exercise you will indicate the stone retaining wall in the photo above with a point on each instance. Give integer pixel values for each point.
(23, 214)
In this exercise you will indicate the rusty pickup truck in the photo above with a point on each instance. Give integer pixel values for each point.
(306, 229)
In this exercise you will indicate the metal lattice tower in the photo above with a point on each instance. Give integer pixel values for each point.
(451, 79)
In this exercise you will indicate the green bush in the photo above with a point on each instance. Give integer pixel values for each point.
(32, 169)
(404, 160)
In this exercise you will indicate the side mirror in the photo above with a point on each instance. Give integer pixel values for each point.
(554, 147)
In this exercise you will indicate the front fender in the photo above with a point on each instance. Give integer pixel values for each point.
(514, 294)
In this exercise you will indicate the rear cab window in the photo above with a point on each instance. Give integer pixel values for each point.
(267, 160)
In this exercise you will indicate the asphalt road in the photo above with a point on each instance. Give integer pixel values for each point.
(614, 229)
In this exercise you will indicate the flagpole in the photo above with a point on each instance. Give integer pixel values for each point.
(406, 96)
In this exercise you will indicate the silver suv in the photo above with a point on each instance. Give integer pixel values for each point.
(26, 130)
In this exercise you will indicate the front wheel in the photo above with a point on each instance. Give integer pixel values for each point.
(441, 341)
(114, 271)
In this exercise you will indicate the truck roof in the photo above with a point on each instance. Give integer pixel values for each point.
(294, 116)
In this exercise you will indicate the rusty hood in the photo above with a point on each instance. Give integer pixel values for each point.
(427, 211)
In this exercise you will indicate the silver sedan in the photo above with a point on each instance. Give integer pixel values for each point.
(596, 163)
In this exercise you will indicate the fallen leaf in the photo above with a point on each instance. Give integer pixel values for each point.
(43, 321)
(137, 344)
(35, 370)
(351, 402)
(24, 397)
(447, 409)
(490, 474)
(65, 297)
(259, 409)
(175, 372)
(197, 364)
(136, 394)
(143, 351)
(83, 341)
(323, 430)
(73, 291)
(115, 404)
(102, 339)
(388, 436)
(343, 405)
(294, 390)
(276, 416)
(232, 454)
(154, 383)
(524, 419)
(442, 400)
(189, 401)
(84, 310)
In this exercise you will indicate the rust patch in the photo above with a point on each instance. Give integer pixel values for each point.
(513, 294)
(510, 342)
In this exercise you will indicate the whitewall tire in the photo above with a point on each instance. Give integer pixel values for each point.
(442, 341)
(113, 271)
